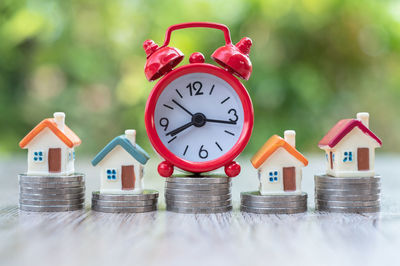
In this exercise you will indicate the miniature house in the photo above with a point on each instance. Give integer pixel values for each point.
(51, 147)
(121, 165)
(279, 165)
(350, 148)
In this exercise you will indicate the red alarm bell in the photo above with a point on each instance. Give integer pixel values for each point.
(235, 58)
(198, 117)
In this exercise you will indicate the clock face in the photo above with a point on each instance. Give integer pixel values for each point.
(199, 117)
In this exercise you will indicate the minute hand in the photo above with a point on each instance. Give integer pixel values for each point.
(221, 121)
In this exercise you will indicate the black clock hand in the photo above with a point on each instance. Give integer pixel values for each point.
(186, 110)
(179, 129)
(221, 121)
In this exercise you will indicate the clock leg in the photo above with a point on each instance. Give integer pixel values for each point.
(232, 169)
(165, 169)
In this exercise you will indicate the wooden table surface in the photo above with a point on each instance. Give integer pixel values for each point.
(234, 238)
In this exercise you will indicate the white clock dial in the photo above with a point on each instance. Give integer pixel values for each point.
(199, 117)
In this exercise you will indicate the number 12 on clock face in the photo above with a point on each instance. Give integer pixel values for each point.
(199, 117)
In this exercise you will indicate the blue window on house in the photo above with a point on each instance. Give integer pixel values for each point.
(38, 156)
(348, 156)
(111, 174)
(333, 157)
(273, 176)
(73, 155)
(326, 157)
(69, 156)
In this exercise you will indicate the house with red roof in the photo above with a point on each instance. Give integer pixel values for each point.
(51, 147)
(279, 165)
(350, 148)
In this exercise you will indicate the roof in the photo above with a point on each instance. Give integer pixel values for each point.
(271, 146)
(341, 129)
(68, 136)
(134, 150)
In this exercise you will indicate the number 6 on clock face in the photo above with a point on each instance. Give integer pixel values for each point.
(199, 117)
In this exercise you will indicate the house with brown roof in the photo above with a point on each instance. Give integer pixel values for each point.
(51, 147)
(279, 165)
(350, 148)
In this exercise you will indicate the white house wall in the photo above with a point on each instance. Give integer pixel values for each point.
(276, 162)
(115, 159)
(42, 142)
(351, 142)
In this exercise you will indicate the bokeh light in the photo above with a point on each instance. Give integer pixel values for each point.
(314, 62)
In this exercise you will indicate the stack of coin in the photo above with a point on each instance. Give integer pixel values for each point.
(347, 194)
(204, 194)
(125, 203)
(273, 204)
(51, 193)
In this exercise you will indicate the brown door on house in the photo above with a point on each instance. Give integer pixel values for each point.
(54, 160)
(128, 177)
(289, 179)
(363, 159)
(331, 159)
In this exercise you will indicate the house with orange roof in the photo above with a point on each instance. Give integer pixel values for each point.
(279, 165)
(350, 148)
(51, 147)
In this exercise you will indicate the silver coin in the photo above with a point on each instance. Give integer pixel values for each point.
(186, 204)
(199, 210)
(196, 198)
(136, 203)
(198, 180)
(359, 186)
(255, 196)
(348, 209)
(51, 184)
(60, 208)
(352, 180)
(98, 208)
(346, 184)
(146, 194)
(213, 192)
(51, 202)
(341, 192)
(272, 210)
(347, 203)
(347, 198)
(275, 204)
(52, 190)
(45, 179)
(198, 186)
(51, 196)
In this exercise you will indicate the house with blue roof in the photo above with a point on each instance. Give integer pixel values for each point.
(121, 163)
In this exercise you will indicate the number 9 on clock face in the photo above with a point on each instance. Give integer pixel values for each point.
(199, 117)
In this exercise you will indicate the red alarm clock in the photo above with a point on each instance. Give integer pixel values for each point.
(199, 117)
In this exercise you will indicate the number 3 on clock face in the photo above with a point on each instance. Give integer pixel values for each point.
(199, 117)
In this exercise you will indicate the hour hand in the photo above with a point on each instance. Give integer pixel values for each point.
(179, 129)
(221, 121)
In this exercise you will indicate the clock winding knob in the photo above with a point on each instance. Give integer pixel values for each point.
(196, 58)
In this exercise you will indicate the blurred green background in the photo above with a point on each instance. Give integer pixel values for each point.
(314, 62)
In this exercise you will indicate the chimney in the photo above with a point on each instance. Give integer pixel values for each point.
(290, 137)
(364, 118)
(130, 134)
(59, 118)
